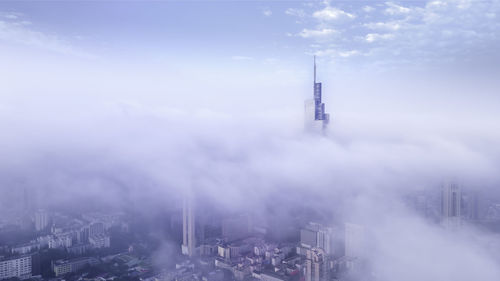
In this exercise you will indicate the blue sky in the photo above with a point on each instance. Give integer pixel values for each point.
(344, 32)
(210, 94)
(388, 57)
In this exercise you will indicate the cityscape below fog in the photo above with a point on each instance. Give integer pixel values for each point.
(206, 244)
(209, 243)
(209, 140)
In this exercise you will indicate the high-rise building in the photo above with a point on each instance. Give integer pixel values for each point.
(18, 267)
(354, 240)
(315, 265)
(60, 241)
(473, 205)
(41, 220)
(451, 198)
(188, 227)
(308, 237)
(315, 235)
(315, 117)
(96, 228)
(100, 241)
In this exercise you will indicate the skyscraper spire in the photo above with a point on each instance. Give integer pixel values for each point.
(316, 117)
(314, 69)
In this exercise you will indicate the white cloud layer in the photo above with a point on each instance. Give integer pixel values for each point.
(295, 12)
(435, 32)
(317, 33)
(372, 37)
(395, 9)
(331, 13)
(15, 30)
(142, 134)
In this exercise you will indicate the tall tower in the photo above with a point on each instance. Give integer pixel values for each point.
(451, 197)
(315, 235)
(188, 227)
(315, 116)
(41, 220)
(354, 240)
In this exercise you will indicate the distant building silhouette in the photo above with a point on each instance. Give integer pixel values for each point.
(451, 205)
(41, 220)
(315, 235)
(354, 240)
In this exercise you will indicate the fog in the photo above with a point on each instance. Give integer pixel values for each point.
(104, 141)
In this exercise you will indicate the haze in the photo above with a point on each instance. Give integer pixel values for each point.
(127, 106)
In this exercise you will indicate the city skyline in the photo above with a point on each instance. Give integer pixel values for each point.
(112, 112)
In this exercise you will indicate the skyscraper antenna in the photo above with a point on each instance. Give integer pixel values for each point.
(315, 69)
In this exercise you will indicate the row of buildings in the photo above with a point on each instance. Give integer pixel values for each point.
(321, 253)
(76, 236)
(63, 267)
(76, 240)
(452, 206)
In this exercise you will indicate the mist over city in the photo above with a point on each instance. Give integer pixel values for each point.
(250, 140)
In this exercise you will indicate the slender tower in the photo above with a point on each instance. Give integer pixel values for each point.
(451, 198)
(188, 227)
(315, 117)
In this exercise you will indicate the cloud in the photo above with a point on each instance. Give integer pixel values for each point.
(241, 58)
(463, 4)
(318, 33)
(491, 15)
(436, 4)
(271, 61)
(394, 9)
(295, 12)
(372, 37)
(433, 32)
(21, 32)
(143, 161)
(331, 14)
(102, 140)
(11, 16)
(392, 25)
(336, 53)
(346, 54)
(267, 12)
(434, 255)
(140, 156)
(368, 9)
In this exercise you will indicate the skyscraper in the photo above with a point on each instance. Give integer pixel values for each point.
(451, 197)
(41, 220)
(354, 240)
(315, 117)
(316, 265)
(188, 227)
(473, 205)
(315, 235)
